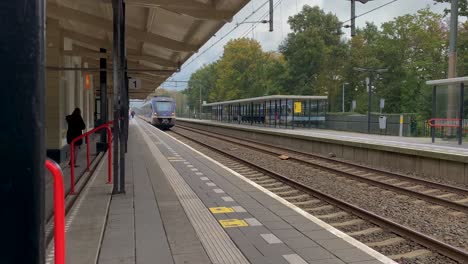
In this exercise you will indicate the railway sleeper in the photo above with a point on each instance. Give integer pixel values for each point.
(352, 222)
(333, 215)
(366, 232)
(412, 254)
(386, 242)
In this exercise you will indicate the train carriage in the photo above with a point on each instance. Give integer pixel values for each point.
(159, 111)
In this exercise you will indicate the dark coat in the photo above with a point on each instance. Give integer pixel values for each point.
(75, 128)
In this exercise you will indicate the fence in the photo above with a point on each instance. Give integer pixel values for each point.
(109, 154)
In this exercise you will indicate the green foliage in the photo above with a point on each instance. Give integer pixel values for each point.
(462, 6)
(315, 52)
(315, 59)
(243, 71)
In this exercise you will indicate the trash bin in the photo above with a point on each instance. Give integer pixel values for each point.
(382, 122)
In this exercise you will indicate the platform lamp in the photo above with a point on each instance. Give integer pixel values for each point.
(371, 72)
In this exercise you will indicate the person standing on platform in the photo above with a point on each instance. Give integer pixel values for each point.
(76, 126)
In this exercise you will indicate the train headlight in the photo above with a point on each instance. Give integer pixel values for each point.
(155, 114)
(173, 114)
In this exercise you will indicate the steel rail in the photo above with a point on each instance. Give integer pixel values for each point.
(433, 199)
(432, 184)
(427, 241)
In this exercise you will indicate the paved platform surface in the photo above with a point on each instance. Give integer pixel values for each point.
(412, 143)
(183, 207)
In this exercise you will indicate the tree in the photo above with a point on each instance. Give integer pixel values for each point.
(202, 81)
(315, 53)
(240, 71)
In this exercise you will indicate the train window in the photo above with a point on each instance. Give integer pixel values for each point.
(164, 106)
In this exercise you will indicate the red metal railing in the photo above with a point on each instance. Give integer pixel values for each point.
(444, 122)
(109, 153)
(59, 211)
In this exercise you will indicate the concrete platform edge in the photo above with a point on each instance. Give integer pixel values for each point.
(423, 153)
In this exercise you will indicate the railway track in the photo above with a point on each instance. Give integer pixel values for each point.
(395, 240)
(436, 193)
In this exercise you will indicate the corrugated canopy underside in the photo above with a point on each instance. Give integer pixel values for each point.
(160, 34)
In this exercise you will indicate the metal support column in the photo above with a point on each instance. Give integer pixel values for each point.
(123, 98)
(269, 114)
(276, 112)
(22, 141)
(287, 113)
(369, 104)
(460, 125)
(103, 98)
(433, 115)
(317, 114)
(280, 112)
(239, 114)
(251, 113)
(310, 106)
(116, 6)
(292, 103)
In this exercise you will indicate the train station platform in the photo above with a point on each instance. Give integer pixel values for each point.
(183, 207)
(443, 160)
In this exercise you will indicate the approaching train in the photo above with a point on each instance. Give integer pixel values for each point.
(159, 111)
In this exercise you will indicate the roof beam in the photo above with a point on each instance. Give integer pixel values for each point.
(97, 55)
(64, 13)
(98, 43)
(187, 7)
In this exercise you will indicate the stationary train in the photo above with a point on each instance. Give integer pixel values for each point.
(159, 111)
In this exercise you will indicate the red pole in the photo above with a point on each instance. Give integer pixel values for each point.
(59, 212)
(72, 167)
(87, 152)
(109, 154)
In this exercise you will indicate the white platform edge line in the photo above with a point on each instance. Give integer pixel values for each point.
(189, 206)
(380, 257)
(194, 207)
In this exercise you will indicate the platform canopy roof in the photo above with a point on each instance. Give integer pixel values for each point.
(160, 34)
(449, 81)
(269, 98)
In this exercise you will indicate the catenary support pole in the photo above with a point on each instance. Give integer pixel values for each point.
(353, 18)
(452, 64)
(116, 5)
(22, 142)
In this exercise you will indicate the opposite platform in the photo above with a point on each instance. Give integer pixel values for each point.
(408, 155)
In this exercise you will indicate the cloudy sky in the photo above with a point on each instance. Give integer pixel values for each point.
(213, 49)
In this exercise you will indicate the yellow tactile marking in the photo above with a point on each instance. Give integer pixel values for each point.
(221, 210)
(233, 223)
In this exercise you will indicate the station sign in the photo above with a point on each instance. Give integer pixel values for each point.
(134, 83)
(87, 81)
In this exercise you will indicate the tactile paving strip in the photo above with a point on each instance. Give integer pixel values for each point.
(218, 245)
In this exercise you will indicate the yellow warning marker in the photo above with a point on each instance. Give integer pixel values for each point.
(283, 157)
(233, 223)
(221, 210)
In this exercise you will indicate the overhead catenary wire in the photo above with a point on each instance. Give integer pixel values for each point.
(255, 24)
(229, 32)
(247, 32)
(372, 10)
